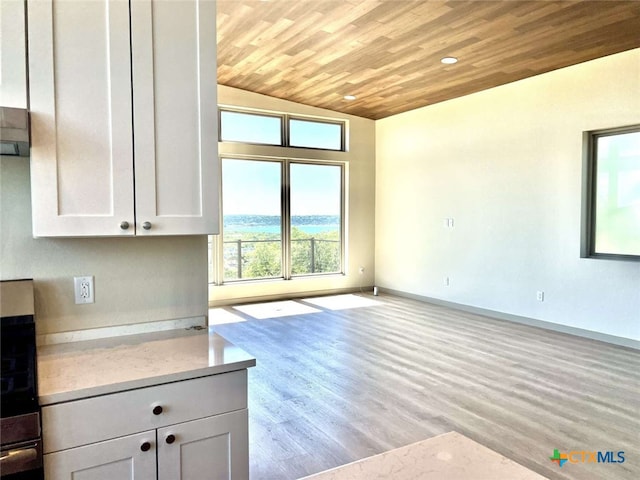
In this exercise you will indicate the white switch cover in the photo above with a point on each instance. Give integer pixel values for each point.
(83, 287)
(540, 296)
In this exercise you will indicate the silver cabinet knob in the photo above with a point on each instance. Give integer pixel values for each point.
(124, 225)
(146, 225)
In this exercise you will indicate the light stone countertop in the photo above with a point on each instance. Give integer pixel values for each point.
(450, 456)
(71, 371)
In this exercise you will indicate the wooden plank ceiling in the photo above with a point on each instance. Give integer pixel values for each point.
(387, 52)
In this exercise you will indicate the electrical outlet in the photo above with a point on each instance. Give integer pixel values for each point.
(540, 296)
(83, 288)
(446, 281)
(361, 270)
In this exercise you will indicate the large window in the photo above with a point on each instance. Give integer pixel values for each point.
(612, 194)
(281, 218)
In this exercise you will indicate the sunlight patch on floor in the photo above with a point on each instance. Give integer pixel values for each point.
(276, 309)
(220, 316)
(342, 302)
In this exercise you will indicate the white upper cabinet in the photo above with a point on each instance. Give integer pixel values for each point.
(123, 119)
(13, 65)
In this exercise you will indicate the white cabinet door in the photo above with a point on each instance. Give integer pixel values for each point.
(13, 64)
(213, 448)
(122, 459)
(175, 116)
(81, 132)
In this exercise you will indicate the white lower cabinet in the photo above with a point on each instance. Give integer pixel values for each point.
(121, 458)
(213, 448)
(189, 430)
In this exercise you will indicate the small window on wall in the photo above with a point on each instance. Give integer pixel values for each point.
(250, 128)
(611, 203)
(314, 134)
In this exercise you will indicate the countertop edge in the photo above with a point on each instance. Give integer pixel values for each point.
(80, 394)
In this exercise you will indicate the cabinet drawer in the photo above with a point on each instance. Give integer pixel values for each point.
(71, 424)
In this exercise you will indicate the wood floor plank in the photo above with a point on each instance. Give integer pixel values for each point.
(340, 385)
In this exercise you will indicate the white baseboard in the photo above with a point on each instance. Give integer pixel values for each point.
(532, 322)
(133, 329)
(287, 296)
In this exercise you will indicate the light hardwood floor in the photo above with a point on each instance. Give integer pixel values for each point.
(334, 386)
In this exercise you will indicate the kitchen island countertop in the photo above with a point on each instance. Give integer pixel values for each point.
(72, 371)
(450, 456)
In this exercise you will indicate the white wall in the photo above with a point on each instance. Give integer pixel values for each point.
(506, 164)
(136, 279)
(360, 161)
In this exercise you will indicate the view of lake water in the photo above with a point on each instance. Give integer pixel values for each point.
(310, 229)
(309, 224)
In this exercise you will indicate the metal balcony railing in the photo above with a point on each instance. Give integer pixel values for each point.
(238, 257)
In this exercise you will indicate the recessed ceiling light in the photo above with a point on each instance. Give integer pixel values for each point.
(349, 97)
(449, 60)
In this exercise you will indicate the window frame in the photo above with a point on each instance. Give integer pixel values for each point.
(217, 275)
(589, 193)
(285, 119)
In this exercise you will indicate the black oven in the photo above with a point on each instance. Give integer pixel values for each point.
(20, 440)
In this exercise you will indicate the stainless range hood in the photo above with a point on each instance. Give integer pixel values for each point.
(14, 132)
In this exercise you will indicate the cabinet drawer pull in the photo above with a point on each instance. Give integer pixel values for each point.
(146, 225)
(157, 410)
(124, 225)
(145, 447)
(170, 438)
